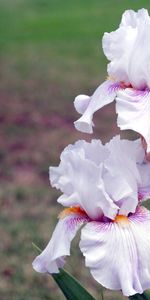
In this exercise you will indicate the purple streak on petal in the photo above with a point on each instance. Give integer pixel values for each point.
(114, 87)
(75, 220)
(141, 93)
(141, 215)
(101, 226)
(140, 196)
(138, 94)
(144, 193)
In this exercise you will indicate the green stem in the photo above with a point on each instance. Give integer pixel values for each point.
(36, 248)
(102, 293)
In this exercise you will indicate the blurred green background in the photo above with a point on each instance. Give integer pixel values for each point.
(50, 51)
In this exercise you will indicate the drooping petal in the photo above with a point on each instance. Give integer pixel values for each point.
(133, 109)
(103, 95)
(118, 252)
(144, 193)
(52, 258)
(81, 103)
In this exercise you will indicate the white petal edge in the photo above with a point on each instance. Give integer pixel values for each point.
(118, 253)
(132, 18)
(52, 257)
(103, 95)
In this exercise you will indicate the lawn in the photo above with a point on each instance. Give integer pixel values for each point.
(50, 51)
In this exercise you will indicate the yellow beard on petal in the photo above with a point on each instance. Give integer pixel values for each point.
(71, 210)
(121, 220)
(111, 78)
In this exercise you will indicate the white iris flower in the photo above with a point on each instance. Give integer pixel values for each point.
(128, 50)
(103, 187)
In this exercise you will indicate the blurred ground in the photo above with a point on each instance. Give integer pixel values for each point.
(50, 51)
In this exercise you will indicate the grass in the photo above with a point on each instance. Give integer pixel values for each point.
(50, 50)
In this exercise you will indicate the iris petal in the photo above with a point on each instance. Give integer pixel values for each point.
(133, 109)
(117, 253)
(103, 95)
(127, 48)
(52, 258)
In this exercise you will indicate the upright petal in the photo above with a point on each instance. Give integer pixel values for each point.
(122, 171)
(117, 46)
(118, 252)
(134, 19)
(52, 258)
(94, 150)
(103, 95)
(133, 109)
(80, 177)
(127, 48)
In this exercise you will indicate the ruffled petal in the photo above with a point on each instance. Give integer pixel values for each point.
(127, 48)
(133, 109)
(94, 150)
(114, 47)
(83, 186)
(118, 252)
(80, 177)
(101, 179)
(134, 19)
(52, 258)
(102, 96)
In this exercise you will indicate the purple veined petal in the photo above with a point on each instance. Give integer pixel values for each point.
(144, 186)
(52, 257)
(103, 95)
(133, 109)
(117, 253)
(144, 193)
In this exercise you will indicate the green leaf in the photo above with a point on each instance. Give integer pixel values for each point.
(71, 288)
(144, 296)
